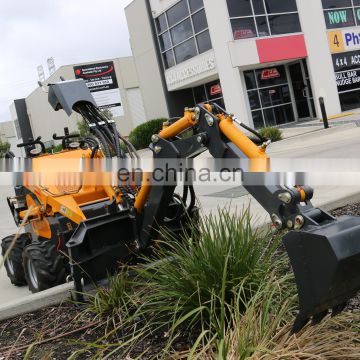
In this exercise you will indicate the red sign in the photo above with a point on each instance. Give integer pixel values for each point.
(215, 90)
(281, 48)
(243, 34)
(270, 74)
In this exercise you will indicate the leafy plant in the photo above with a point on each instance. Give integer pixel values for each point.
(272, 133)
(140, 137)
(200, 283)
(83, 128)
(4, 148)
(54, 149)
(110, 300)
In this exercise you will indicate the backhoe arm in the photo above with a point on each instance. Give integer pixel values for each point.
(324, 251)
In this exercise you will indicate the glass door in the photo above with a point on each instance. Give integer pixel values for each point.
(302, 91)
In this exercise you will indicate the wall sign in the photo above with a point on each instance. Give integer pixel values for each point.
(343, 40)
(339, 18)
(102, 82)
(184, 72)
(243, 34)
(215, 90)
(270, 74)
(346, 61)
(348, 80)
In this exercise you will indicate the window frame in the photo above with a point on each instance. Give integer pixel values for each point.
(203, 86)
(258, 89)
(266, 15)
(194, 34)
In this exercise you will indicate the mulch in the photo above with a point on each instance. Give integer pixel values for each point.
(59, 330)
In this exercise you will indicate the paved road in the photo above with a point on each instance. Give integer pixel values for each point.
(340, 143)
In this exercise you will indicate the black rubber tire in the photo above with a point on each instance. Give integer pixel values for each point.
(44, 266)
(14, 263)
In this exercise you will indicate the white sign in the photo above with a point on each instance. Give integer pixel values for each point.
(102, 82)
(176, 76)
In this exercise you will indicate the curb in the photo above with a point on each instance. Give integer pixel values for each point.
(338, 203)
(34, 302)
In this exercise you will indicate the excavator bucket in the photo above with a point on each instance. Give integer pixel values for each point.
(98, 247)
(326, 263)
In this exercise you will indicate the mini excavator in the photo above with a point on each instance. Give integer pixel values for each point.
(98, 227)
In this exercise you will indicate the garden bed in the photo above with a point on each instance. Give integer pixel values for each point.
(60, 331)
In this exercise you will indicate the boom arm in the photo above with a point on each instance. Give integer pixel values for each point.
(324, 251)
(224, 140)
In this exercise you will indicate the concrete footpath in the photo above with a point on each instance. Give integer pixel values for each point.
(339, 142)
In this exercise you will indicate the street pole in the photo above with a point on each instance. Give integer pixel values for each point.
(323, 113)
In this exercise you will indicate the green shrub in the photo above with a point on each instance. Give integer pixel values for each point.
(272, 133)
(83, 128)
(4, 148)
(140, 137)
(200, 283)
(54, 149)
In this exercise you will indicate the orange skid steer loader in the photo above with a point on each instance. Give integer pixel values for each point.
(119, 223)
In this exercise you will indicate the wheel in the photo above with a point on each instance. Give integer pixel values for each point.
(43, 265)
(14, 263)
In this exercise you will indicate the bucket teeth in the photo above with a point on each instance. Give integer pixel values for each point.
(326, 263)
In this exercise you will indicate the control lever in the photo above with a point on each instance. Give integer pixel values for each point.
(65, 140)
(33, 152)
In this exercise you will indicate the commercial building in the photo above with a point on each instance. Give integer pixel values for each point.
(114, 85)
(267, 61)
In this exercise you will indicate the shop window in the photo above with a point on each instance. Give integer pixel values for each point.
(178, 12)
(199, 21)
(196, 5)
(185, 51)
(341, 13)
(183, 32)
(269, 96)
(203, 42)
(277, 7)
(164, 41)
(284, 24)
(161, 24)
(210, 92)
(260, 18)
(169, 59)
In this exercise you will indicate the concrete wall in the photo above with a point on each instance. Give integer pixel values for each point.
(146, 61)
(319, 61)
(45, 121)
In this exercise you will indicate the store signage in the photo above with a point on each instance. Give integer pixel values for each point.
(346, 61)
(243, 34)
(180, 74)
(348, 80)
(102, 82)
(270, 74)
(343, 40)
(338, 17)
(215, 90)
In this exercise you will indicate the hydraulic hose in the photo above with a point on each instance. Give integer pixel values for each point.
(119, 152)
(103, 142)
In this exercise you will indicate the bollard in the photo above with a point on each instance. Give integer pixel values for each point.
(323, 113)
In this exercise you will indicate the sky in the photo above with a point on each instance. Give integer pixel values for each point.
(70, 31)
